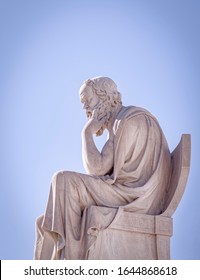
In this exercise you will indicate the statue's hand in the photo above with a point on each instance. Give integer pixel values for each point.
(95, 123)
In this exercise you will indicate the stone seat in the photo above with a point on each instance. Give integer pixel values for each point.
(142, 236)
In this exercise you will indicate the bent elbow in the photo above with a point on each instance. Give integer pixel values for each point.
(103, 169)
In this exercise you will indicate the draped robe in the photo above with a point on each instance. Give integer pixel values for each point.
(137, 183)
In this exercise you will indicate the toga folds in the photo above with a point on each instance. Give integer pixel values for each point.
(137, 183)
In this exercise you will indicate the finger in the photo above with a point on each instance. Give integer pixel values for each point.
(94, 114)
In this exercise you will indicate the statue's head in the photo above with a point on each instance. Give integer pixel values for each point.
(100, 93)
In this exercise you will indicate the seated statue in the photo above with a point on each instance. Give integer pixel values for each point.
(131, 172)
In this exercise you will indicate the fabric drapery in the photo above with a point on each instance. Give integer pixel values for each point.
(139, 180)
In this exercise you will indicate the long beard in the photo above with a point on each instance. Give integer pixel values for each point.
(104, 112)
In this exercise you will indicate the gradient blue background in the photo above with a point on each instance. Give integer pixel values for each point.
(150, 48)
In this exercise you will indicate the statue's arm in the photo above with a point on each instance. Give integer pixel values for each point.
(95, 162)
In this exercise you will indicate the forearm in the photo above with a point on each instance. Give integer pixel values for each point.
(96, 163)
(90, 153)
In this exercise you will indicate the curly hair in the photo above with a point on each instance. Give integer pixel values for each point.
(106, 89)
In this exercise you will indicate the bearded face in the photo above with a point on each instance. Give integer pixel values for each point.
(91, 101)
(101, 111)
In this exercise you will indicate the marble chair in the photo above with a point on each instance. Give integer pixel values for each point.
(141, 236)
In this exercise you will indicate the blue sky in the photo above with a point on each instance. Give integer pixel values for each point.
(150, 48)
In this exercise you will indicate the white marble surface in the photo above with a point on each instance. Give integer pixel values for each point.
(130, 174)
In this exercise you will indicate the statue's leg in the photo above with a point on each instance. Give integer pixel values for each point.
(70, 194)
(67, 199)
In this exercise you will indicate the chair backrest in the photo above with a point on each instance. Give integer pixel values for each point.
(180, 170)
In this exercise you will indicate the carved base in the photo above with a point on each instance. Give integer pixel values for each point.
(134, 236)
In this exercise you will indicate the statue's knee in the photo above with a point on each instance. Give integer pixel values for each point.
(57, 181)
(64, 181)
(56, 176)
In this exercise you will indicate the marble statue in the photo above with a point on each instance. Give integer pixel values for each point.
(130, 173)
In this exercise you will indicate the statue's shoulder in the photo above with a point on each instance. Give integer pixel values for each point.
(127, 114)
(131, 111)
